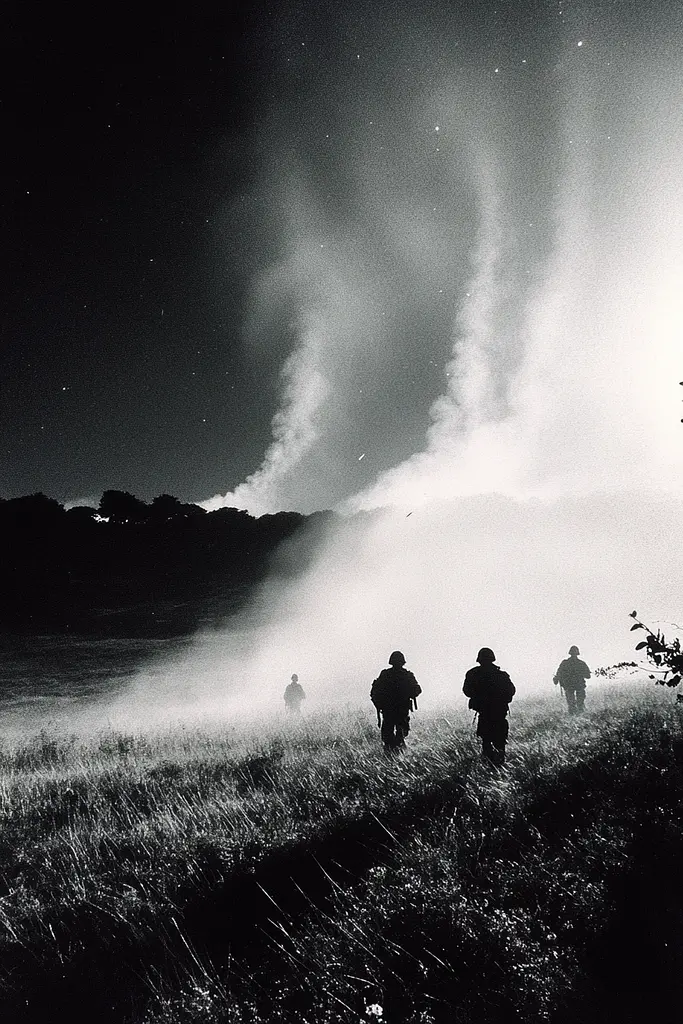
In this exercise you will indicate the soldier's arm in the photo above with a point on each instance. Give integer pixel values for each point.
(508, 687)
(374, 692)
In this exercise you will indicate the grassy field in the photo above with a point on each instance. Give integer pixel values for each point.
(297, 874)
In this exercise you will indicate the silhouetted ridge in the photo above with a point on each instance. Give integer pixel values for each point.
(132, 568)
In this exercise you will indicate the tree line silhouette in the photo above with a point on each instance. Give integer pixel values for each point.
(134, 568)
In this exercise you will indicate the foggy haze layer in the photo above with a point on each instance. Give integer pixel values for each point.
(527, 578)
(516, 220)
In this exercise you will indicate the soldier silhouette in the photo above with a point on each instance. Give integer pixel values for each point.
(490, 691)
(572, 674)
(394, 693)
(294, 694)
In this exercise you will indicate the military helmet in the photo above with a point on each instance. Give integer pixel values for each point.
(295, 678)
(485, 656)
(574, 649)
(396, 659)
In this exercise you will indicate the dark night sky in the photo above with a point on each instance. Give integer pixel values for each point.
(128, 137)
(167, 181)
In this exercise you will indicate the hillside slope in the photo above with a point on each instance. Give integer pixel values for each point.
(299, 875)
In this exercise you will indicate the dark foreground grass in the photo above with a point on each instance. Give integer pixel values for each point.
(300, 876)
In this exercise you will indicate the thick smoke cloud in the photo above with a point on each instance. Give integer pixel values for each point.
(592, 404)
(476, 294)
(486, 277)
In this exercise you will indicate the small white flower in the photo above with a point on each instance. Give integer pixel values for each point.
(374, 1010)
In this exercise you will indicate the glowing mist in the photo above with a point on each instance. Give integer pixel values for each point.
(540, 497)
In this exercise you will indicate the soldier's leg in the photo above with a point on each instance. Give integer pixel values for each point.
(505, 733)
(387, 731)
(500, 739)
(394, 735)
(505, 729)
(485, 731)
(402, 730)
(580, 698)
(571, 699)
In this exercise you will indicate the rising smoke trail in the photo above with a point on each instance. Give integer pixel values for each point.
(468, 401)
(294, 430)
(601, 332)
(469, 404)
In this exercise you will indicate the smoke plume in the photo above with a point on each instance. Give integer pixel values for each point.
(486, 280)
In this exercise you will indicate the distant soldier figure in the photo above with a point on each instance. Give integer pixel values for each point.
(394, 693)
(294, 694)
(572, 675)
(490, 691)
